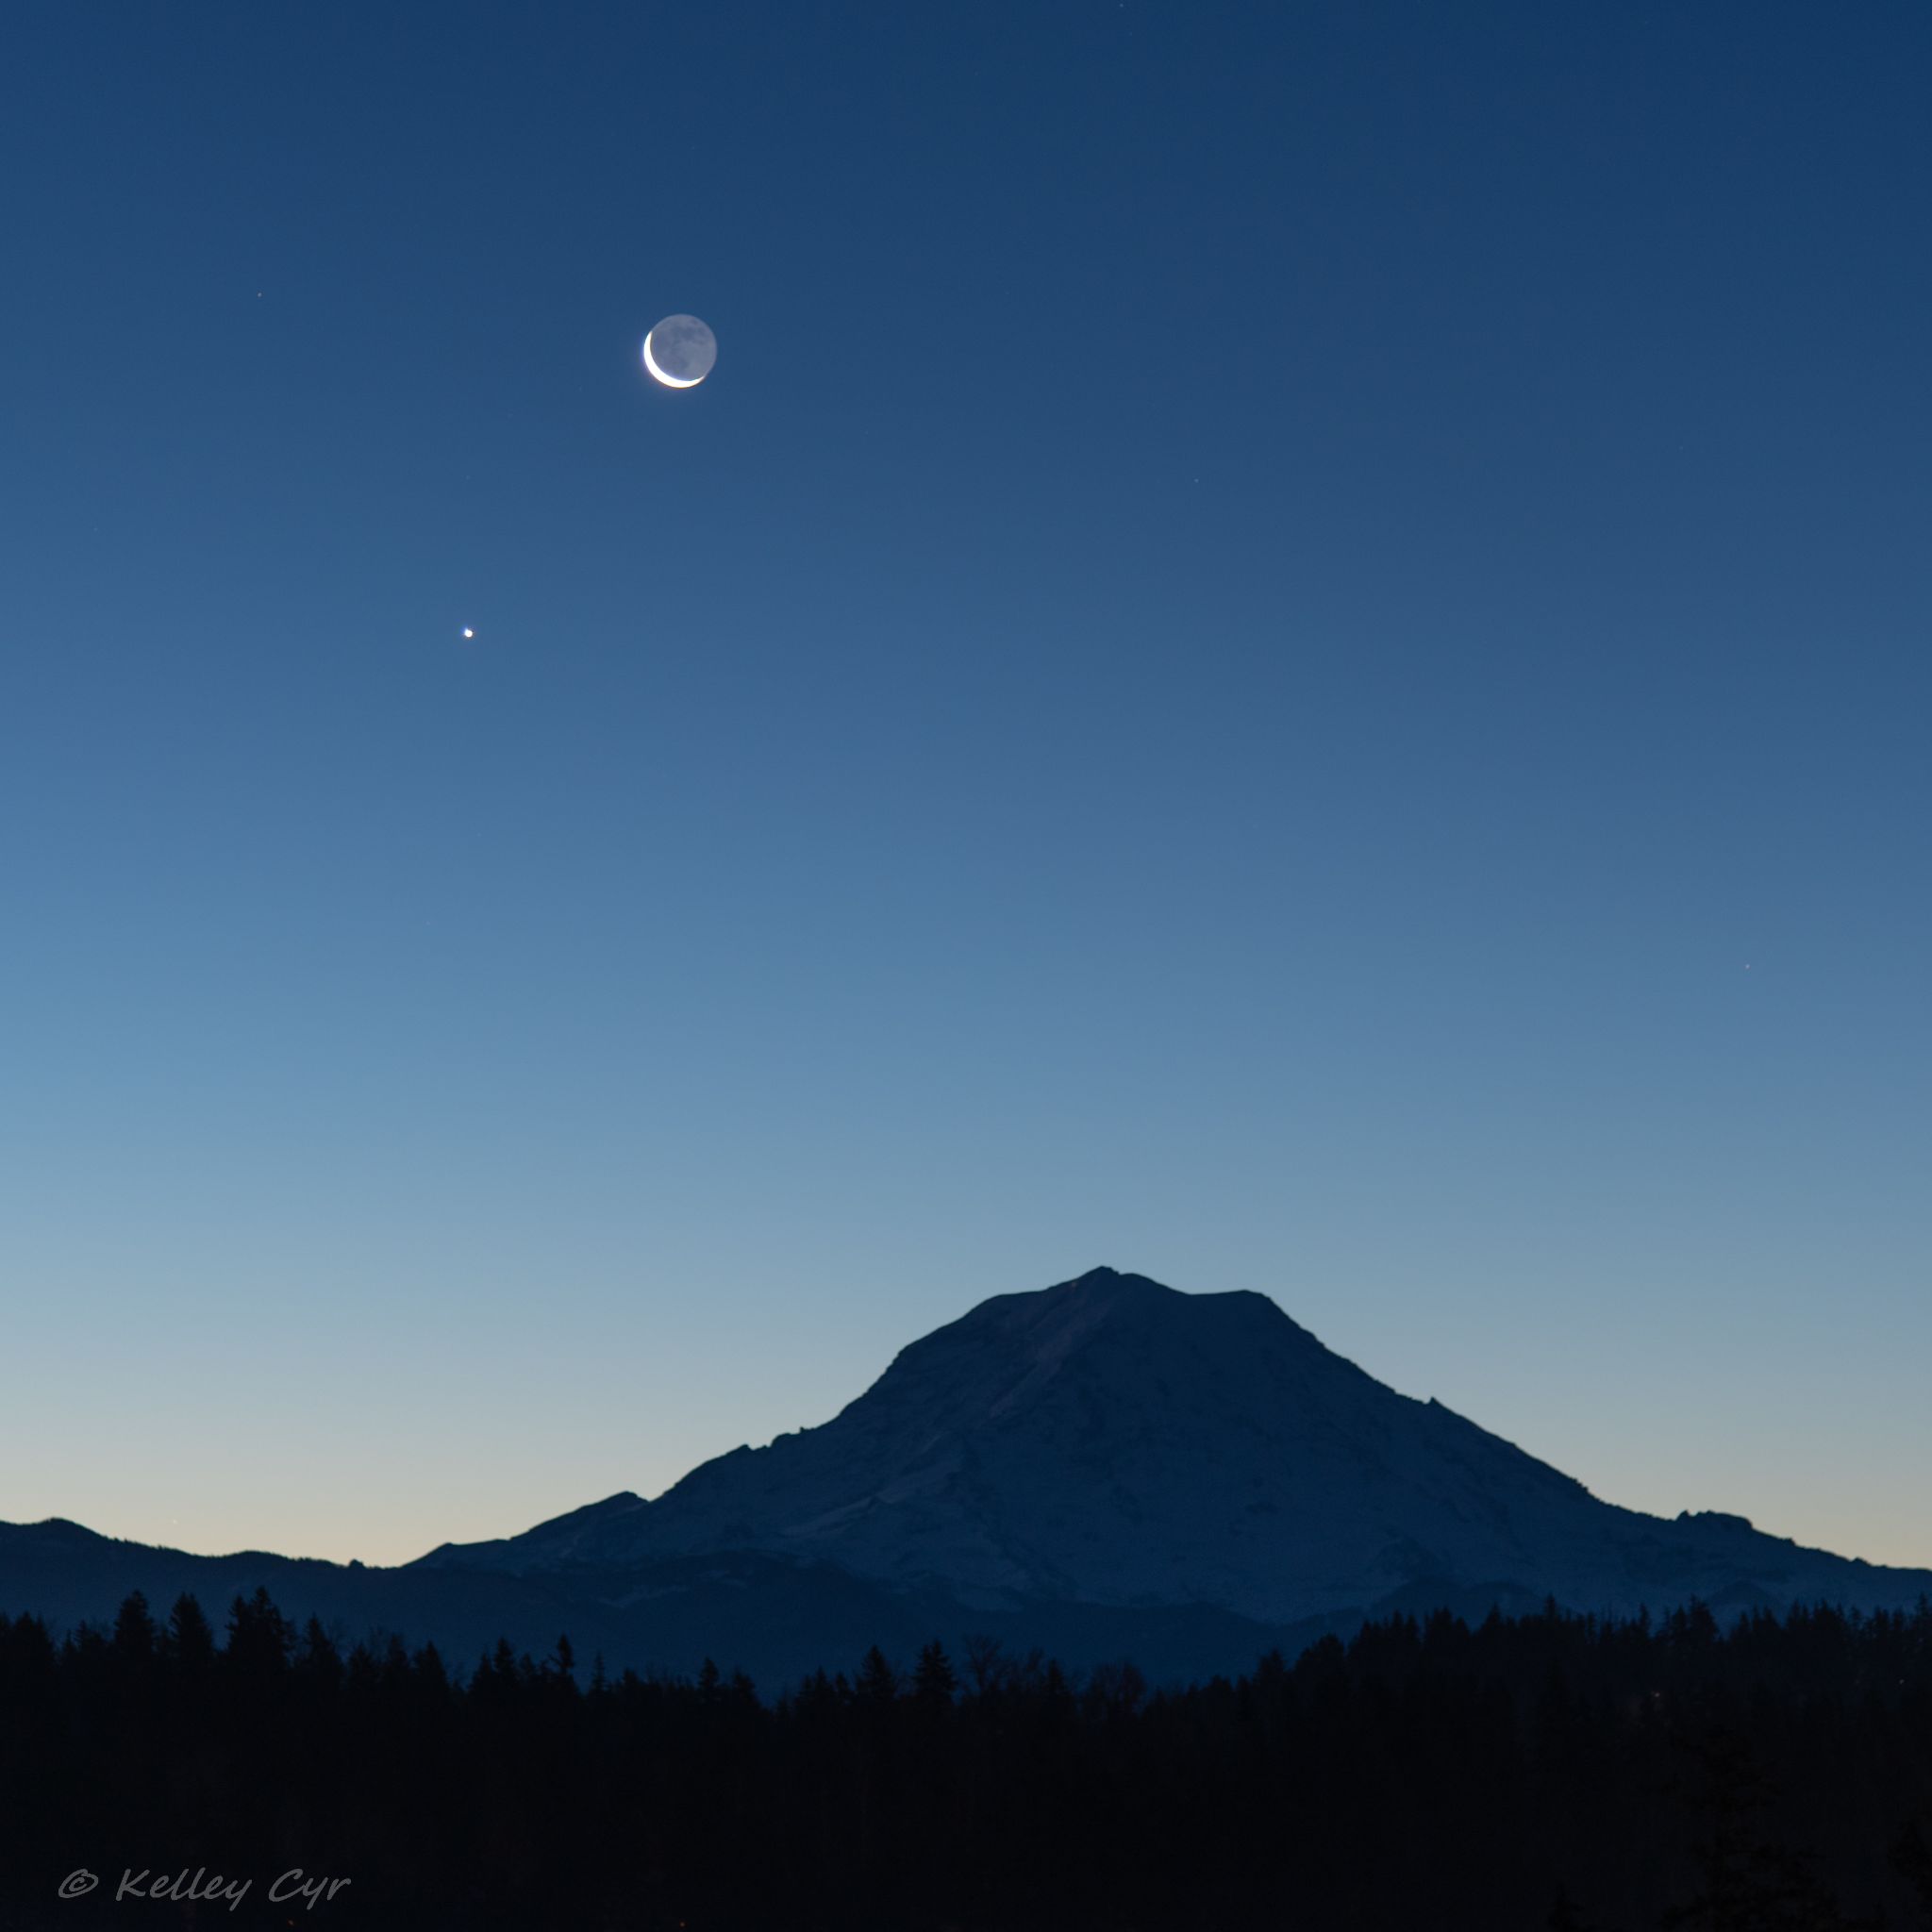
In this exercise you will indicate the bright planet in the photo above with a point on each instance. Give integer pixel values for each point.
(679, 351)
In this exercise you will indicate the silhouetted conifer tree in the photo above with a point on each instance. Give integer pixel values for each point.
(320, 1660)
(879, 1683)
(259, 1637)
(933, 1682)
(191, 1638)
(135, 1635)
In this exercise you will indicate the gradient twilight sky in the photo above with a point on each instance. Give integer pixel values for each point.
(1289, 650)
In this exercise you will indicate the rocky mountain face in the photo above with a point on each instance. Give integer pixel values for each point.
(1113, 1445)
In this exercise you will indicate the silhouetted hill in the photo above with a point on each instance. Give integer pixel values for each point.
(773, 1618)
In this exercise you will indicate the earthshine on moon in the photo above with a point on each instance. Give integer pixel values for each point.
(679, 351)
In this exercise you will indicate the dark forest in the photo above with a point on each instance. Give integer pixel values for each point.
(1542, 1772)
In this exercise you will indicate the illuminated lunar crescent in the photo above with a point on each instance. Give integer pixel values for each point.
(679, 351)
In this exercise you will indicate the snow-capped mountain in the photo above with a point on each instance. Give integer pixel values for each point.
(1111, 1442)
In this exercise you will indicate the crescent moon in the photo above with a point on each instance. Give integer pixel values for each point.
(669, 381)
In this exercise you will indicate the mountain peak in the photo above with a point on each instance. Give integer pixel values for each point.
(1112, 1290)
(1109, 1281)
(1112, 1442)
(1123, 1339)
(1108, 1439)
(1098, 1288)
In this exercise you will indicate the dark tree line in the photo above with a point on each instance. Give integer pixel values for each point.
(1533, 1773)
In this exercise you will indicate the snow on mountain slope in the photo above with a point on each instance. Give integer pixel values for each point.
(1112, 1442)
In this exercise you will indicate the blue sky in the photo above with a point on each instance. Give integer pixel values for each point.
(1289, 650)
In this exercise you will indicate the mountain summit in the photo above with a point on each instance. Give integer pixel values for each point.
(1112, 1443)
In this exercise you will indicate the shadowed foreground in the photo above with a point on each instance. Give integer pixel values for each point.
(1531, 1773)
